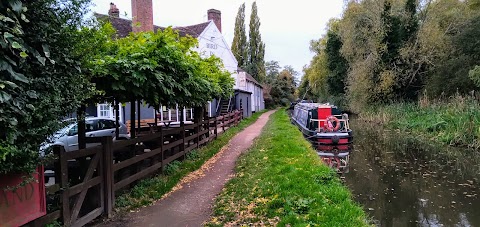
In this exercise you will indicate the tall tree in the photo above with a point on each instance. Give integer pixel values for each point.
(272, 70)
(256, 56)
(337, 64)
(239, 44)
(283, 89)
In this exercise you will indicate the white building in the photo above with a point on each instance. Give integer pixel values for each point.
(248, 92)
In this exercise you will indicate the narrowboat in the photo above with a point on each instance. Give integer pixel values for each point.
(324, 126)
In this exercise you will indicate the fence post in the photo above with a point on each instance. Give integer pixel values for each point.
(223, 123)
(64, 184)
(162, 151)
(57, 164)
(208, 126)
(196, 130)
(215, 131)
(182, 147)
(109, 194)
(239, 117)
(236, 117)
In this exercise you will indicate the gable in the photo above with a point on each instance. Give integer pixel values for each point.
(212, 42)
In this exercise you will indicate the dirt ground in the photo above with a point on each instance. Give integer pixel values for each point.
(190, 202)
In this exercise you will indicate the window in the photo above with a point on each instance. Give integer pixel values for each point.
(90, 126)
(174, 114)
(188, 114)
(105, 110)
(106, 124)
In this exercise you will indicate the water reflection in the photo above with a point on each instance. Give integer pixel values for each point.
(336, 160)
(401, 181)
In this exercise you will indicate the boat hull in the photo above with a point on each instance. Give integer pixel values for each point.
(327, 141)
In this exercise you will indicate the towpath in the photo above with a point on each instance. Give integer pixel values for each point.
(190, 204)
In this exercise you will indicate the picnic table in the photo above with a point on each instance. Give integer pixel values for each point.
(154, 126)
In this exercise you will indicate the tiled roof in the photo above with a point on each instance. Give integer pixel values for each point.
(249, 77)
(124, 26)
(193, 30)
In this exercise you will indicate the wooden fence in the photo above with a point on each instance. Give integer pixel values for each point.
(87, 180)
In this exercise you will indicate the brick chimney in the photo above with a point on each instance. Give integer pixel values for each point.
(113, 11)
(142, 12)
(216, 16)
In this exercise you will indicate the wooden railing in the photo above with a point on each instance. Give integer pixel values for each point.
(87, 180)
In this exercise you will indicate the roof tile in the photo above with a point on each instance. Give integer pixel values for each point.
(124, 26)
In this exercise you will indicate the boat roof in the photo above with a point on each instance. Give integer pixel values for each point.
(311, 106)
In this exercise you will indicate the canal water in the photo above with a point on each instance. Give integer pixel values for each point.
(402, 181)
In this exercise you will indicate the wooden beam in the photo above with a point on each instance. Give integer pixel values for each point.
(117, 119)
(138, 115)
(82, 144)
(109, 196)
(132, 119)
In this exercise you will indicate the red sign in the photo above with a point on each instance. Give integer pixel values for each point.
(23, 204)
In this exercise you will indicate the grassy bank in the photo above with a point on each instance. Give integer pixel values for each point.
(281, 180)
(454, 122)
(151, 190)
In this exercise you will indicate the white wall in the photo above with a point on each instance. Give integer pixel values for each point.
(211, 42)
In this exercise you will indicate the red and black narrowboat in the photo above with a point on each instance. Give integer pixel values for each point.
(324, 125)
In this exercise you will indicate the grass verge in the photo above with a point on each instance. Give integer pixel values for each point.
(282, 181)
(152, 189)
(453, 122)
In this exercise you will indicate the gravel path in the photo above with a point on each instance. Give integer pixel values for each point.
(190, 203)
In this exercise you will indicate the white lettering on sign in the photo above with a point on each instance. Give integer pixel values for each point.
(212, 46)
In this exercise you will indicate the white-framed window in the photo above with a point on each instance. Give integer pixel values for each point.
(105, 110)
(210, 109)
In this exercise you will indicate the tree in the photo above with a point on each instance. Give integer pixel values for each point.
(256, 52)
(283, 89)
(336, 63)
(239, 44)
(304, 91)
(316, 73)
(272, 70)
(450, 30)
(160, 68)
(293, 73)
(41, 75)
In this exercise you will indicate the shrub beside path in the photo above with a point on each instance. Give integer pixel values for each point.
(190, 203)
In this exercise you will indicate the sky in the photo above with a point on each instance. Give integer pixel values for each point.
(287, 27)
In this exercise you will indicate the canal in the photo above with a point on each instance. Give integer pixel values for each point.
(402, 181)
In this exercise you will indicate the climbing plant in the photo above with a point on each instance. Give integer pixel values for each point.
(159, 68)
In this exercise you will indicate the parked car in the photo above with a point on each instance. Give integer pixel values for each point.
(68, 137)
(94, 127)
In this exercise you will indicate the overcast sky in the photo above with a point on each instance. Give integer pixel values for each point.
(286, 26)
